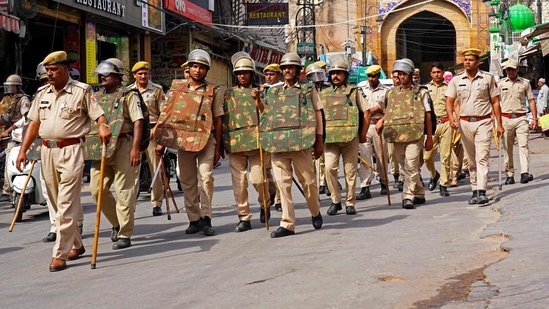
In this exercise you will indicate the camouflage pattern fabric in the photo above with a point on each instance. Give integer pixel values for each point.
(186, 119)
(240, 120)
(341, 113)
(288, 122)
(404, 116)
(113, 110)
(9, 106)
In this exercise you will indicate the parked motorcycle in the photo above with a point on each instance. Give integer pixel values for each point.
(33, 191)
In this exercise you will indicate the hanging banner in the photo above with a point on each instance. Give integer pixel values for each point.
(91, 51)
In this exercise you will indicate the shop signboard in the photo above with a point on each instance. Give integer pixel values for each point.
(152, 16)
(259, 14)
(189, 10)
(168, 54)
(306, 48)
(264, 56)
(91, 51)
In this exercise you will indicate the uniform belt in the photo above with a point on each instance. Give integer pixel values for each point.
(512, 115)
(442, 120)
(474, 118)
(374, 121)
(60, 143)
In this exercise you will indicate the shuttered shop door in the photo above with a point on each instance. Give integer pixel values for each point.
(219, 73)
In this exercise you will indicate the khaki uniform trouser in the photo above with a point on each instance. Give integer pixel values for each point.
(273, 189)
(520, 127)
(6, 189)
(62, 170)
(367, 149)
(194, 168)
(476, 137)
(349, 152)
(239, 162)
(157, 188)
(410, 154)
(118, 171)
(52, 211)
(395, 165)
(283, 171)
(442, 139)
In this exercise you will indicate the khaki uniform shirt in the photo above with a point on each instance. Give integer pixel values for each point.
(67, 114)
(514, 95)
(315, 98)
(131, 112)
(438, 97)
(474, 94)
(370, 98)
(154, 97)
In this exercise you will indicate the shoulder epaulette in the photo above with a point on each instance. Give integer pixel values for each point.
(81, 85)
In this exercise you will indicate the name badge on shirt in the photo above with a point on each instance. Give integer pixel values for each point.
(44, 102)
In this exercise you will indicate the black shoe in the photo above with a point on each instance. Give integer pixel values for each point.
(114, 233)
(526, 177)
(444, 191)
(157, 211)
(383, 189)
(194, 227)
(179, 186)
(272, 201)
(418, 200)
(50, 237)
(263, 214)
(122, 243)
(474, 198)
(5, 198)
(243, 226)
(510, 180)
(461, 176)
(278, 207)
(206, 226)
(317, 221)
(328, 193)
(482, 199)
(321, 189)
(400, 186)
(350, 210)
(408, 204)
(395, 184)
(281, 232)
(433, 182)
(334, 208)
(364, 194)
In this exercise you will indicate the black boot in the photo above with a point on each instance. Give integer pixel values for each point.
(433, 182)
(400, 186)
(194, 227)
(474, 198)
(444, 191)
(334, 208)
(364, 194)
(264, 214)
(328, 193)
(321, 189)
(206, 226)
(396, 176)
(482, 199)
(526, 177)
(383, 189)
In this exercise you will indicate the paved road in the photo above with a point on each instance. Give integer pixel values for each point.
(383, 257)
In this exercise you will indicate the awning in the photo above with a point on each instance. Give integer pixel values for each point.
(9, 23)
(529, 51)
(535, 31)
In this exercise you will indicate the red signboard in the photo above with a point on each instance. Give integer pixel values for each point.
(264, 56)
(189, 10)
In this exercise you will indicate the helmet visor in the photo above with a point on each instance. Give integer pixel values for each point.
(10, 87)
(105, 68)
(317, 77)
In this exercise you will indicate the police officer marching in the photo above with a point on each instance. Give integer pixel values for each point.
(478, 98)
(515, 90)
(342, 131)
(13, 107)
(154, 98)
(240, 139)
(374, 97)
(191, 122)
(291, 124)
(61, 114)
(407, 119)
(443, 135)
(122, 108)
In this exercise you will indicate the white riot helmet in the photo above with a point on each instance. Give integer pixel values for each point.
(111, 65)
(404, 65)
(315, 73)
(12, 84)
(199, 56)
(41, 71)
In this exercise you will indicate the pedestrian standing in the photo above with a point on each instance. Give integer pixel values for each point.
(191, 122)
(515, 91)
(407, 119)
(542, 102)
(443, 135)
(154, 98)
(61, 113)
(123, 111)
(374, 97)
(291, 128)
(478, 97)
